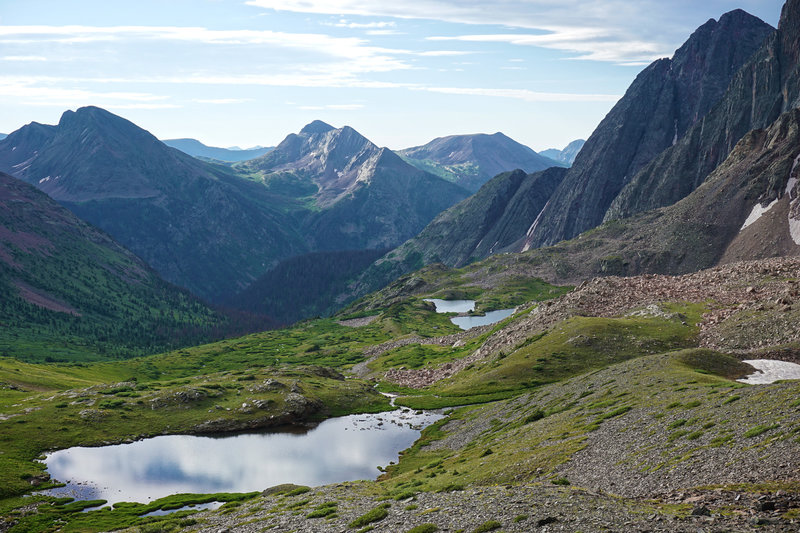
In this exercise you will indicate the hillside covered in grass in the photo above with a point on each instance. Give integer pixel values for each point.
(618, 390)
(70, 293)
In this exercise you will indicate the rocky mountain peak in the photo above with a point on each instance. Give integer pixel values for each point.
(666, 100)
(316, 127)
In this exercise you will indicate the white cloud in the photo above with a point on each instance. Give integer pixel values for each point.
(330, 57)
(333, 107)
(222, 101)
(23, 58)
(602, 30)
(365, 25)
(524, 94)
(444, 53)
(588, 43)
(30, 91)
(384, 32)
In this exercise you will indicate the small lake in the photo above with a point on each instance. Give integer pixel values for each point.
(339, 449)
(452, 306)
(473, 321)
(465, 306)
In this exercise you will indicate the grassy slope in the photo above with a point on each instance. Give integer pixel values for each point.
(584, 378)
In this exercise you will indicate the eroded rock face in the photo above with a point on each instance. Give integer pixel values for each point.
(765, 87)
(658, 110)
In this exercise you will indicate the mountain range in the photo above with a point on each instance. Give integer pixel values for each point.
(213, 229)
(362, 196)
(195, 148)
(628, 400)
(567, 155)
(471, 160)
(199, 225)
(687, 91)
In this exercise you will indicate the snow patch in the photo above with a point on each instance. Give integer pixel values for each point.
(675, 139)
(533, 227)
(757, 212)
(770, 371)
(44, 180)
(794, 230)
(790, 187)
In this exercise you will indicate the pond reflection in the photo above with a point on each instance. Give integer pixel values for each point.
(452, 306)
(339, 449)
(466, 306)
(473, 321)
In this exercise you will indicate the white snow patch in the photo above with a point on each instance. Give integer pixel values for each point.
(791, 173)
(770, 371)
(13, 148)
(675, 139)
(790, 187)
(44, 179)
(757, 212)
(533, 227)
(794, 230)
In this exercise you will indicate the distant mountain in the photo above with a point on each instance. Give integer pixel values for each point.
(362, 196)
(472, 160)
(567, 155)
(746, 207)
(199, 225)
(678, 92)
(71, 293)
(490, 221)
(657, 111)
(195, 148)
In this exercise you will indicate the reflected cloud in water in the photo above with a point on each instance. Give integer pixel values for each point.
(339, 449)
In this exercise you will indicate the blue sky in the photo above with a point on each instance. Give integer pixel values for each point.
(247, 72)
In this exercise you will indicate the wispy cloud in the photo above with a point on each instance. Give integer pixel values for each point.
(343, 23)
(31, 91)
(601, 30)
(444, 53)
(587, 43)
(222, 101)
(333, 107)
(24, 59)
(524, 94)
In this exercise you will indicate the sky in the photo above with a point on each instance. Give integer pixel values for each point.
(249, 72)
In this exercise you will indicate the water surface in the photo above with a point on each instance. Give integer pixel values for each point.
(452, 306)
(339, 449)
(466, 306)
(473, 321)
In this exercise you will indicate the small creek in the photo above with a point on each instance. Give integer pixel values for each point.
(339, 449)
(465, 306)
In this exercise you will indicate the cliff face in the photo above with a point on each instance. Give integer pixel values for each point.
(764, 88)
(664, 102)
